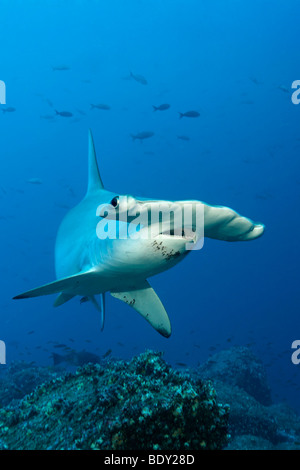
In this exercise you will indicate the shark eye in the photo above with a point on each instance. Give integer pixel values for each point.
(115, 202)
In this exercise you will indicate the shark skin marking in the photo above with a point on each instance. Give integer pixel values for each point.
(89, 266)
(164, 251)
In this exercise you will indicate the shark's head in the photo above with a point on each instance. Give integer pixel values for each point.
(147, 236)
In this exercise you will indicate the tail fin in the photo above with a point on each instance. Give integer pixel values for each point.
(100, 307)
(133, 137)
(154, 108)
(181, 115)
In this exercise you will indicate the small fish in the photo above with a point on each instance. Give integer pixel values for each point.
(181, 364)
(142, 135)
(63, 113)
(264, 196)
(84, 299)
(183, 137)
(283, 88)
(9, 110)
(48, 117)
(61, 206)
(34, 181)
(49, 102)
(30, 332)
(108, 353)
(100, 106)
(60, 68)
(139, 78)
(254, 80)
(161, 107)
(191, 114)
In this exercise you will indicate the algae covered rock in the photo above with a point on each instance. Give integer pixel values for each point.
(239, 366)
(247, 415)
(119, 405)
(249, 442)
(254, 423)
(21, 378)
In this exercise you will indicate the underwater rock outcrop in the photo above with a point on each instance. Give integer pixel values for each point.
(239, 366)
(240, 380)
(141, 404)
(145, 404)
(21, 378)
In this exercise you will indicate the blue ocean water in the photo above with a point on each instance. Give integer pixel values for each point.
(234, 63)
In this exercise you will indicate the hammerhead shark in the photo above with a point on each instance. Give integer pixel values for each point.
(95, 254)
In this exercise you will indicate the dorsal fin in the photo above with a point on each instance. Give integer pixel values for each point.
(94, 178)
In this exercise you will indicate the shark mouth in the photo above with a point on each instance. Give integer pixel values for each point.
(186, 234)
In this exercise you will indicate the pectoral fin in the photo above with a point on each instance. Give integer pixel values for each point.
(62, 299)
(78, 284)
(145, 301)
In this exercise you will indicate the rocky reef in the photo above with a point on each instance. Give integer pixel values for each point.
(145, 404)
(117, 405)
(254, 422)
(238, 366)
(21, 378)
